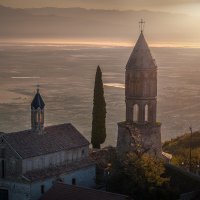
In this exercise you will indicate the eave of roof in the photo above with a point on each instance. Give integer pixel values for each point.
(45, 173)
(63, 191)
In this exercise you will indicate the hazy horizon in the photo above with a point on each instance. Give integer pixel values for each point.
(175, 6)
(54, 42)
(97, 26)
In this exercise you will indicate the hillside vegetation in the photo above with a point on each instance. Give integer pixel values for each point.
(180, 149)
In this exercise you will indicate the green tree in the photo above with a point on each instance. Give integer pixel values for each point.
(99, 112)
(140, 177)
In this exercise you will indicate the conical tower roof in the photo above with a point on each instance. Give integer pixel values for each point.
(37, 101)
(141, 56)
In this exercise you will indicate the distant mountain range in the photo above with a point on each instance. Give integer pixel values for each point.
(95, 25)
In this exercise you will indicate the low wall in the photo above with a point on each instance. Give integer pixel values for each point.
(181, 179)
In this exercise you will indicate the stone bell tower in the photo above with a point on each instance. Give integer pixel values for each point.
(37, 113)
(140, 128)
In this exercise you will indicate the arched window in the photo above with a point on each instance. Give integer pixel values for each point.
(41, 117)
(135, 112)
(37, 117)
(146, 113)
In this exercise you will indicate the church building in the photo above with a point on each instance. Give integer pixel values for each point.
(31, 161)
(140, 129)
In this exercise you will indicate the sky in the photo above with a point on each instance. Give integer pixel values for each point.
(176, 29)
(191, 7)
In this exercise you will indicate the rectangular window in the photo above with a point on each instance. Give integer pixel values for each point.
(73, 181)
(83, 152)
(42, 189)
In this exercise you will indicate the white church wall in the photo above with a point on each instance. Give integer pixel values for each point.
(33, 191)
(58, 158)
(83, 177)
(16, 190)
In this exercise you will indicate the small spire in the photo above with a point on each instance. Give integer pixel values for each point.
(141, 56)
(37, 100)
(38, 88)
(141, 25)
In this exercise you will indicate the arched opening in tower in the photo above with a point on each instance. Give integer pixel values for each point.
(37, 117)
(41, 117)
(135, 113)
(146, 113)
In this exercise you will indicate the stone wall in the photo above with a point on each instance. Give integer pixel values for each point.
(149, 138)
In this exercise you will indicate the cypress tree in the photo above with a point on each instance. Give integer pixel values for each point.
(99, 112)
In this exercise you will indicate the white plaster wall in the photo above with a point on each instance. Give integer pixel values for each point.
(32, 191)
(58, 158)
(26, 191)
(16, 191)
(84, 177)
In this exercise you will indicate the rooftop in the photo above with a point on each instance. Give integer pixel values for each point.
(54, 138)
(141, 57)
(37, 101)
(61, 191)
(58, 170)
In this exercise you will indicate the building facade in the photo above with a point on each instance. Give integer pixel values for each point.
(140, 129)
(33, 160)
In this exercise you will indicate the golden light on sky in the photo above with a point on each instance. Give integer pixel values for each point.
(179, 6)
(60, 42)
(168, 22)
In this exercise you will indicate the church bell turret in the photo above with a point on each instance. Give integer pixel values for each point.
(37, 113)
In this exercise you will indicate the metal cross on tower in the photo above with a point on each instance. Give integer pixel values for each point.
(38, 88)
(141, 25)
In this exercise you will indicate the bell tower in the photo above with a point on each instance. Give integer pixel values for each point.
(141, 84)
(141, 100)
(37, 113)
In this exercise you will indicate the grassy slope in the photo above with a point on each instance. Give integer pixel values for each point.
(180, 147)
